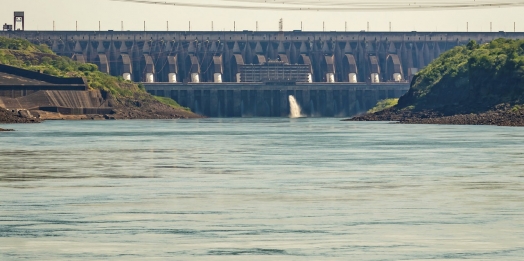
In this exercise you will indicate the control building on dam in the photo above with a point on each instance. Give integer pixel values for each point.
(246, 73)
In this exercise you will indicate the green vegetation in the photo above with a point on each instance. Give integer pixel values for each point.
(384, 104)
(471, 76)
(23, 45)
(170, 102)
(21, 53)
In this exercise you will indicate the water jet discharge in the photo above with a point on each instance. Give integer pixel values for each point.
(294, 108)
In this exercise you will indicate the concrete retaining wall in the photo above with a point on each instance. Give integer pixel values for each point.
(42, 77)
(67, 100)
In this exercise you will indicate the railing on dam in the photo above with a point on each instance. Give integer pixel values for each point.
(262, 100)
(351, 57)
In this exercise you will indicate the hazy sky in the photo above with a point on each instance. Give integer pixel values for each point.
(40, 15)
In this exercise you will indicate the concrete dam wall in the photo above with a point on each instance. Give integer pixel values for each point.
(271, 100)
(242, 74)
(351, 57)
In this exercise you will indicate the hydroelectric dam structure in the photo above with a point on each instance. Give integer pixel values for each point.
(252, 73)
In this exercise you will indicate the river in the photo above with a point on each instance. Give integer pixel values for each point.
(260, 189)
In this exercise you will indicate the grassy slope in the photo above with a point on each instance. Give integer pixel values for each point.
(384, 104)
(21, 53)
(470, 78)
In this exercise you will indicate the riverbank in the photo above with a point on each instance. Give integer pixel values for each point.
(8, 116)
(123, 108)
(115, 97)
(468, 85)
(503, 115)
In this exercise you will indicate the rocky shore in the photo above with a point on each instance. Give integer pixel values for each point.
(8, 116)
(128, 109)
(475, 84)
(123, 109)
(502, 115)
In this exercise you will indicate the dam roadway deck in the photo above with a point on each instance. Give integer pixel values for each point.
(271, 100)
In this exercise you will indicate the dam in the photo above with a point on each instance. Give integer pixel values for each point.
(271, 100)
(242, 73)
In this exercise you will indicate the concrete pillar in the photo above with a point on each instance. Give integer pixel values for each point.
(322, 103)
(244, 102)
(197, 101)
(284, 107)
(217, 77)
(173, 94)
(213, 103)
(353, 78)
(336, 102)
(330, 77)
(370, 99)
(345, 103)
(127, 76)
(306, 110)
(221, 103)
(238, 77)
(375, 78)
(191, 100)
(172, 77)
(329, 104)
(206, 102)
(195, 78)
(150, 78)
(259, 104)
(230, 103)
(352, 100)
(313, 102)
(252, 105)
(275, 103)
(237, 99)
(397, 77)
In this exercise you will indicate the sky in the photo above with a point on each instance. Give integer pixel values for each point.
(40, 15)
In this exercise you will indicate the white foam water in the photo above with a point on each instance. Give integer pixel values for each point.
(294, 108)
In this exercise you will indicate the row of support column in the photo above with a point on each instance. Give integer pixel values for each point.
(274, 103)
(195, 77)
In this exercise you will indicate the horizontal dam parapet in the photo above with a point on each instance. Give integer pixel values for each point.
(271, 100)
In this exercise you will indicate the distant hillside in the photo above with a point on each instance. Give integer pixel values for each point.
(470, 78)
(131, 100)
(481, 83)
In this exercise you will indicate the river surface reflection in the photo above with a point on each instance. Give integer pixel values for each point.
(259, 189)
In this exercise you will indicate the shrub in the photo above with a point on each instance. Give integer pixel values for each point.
(88, 67)
(384, 104)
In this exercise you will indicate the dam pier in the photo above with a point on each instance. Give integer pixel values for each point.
(251, 73)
